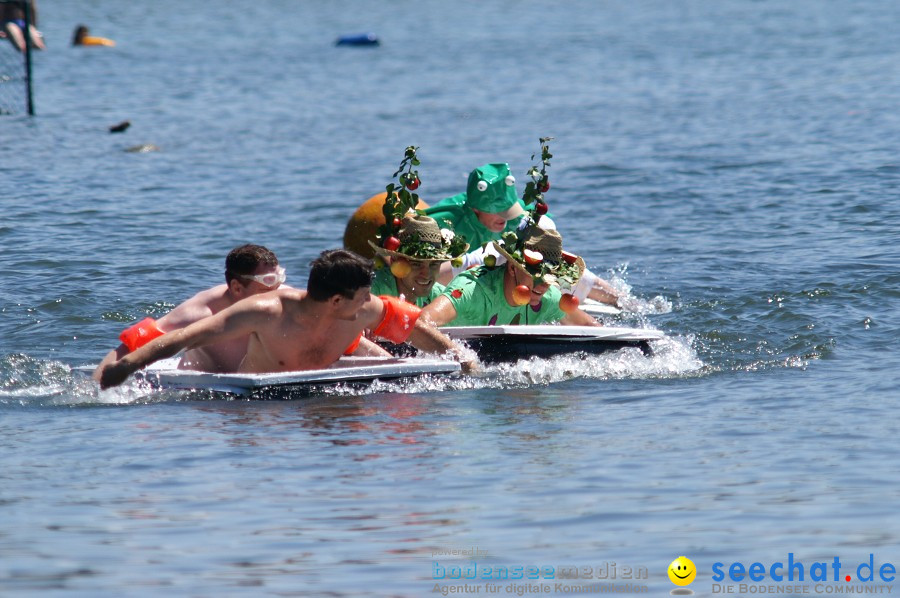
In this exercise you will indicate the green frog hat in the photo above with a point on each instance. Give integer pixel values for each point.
(421, 239)
(492, 189)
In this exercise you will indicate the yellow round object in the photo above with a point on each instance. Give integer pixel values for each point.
(521, 295)
(400, 268)
(364, 223)
(682, 571)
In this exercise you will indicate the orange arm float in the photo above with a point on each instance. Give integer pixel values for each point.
(140, 334)
(353, 346)
(91, 40)
(398, 320)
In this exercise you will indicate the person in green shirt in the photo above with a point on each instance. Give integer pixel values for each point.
(524, 291)
(410, 270)
(486, 209)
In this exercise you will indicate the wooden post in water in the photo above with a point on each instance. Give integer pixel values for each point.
(26, 8)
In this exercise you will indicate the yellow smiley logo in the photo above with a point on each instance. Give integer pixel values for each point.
(682, 571)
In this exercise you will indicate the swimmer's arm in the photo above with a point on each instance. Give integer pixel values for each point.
(424, 335)
(367, 348)
(182, 316)
(111, 357)
(579, 317)
(603, 292)
(474, 258)
(427, 338)
(439, 312)
(240, 319)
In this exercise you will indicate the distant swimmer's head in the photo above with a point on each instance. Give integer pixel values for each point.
(81, 32)
(252, 269)
(491, 193)
(82, 37)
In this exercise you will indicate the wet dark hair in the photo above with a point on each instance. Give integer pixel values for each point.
(338, 272)
(243, 260)
(80, 33)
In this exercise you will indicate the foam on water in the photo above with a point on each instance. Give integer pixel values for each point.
(633, 305)
(29, 382)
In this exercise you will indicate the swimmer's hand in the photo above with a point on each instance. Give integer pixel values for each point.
(115, 373)
(469, 366)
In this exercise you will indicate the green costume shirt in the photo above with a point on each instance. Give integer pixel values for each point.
(463, 221)
(477, 295)
(384, 283)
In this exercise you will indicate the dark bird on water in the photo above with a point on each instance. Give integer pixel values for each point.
(120, 128)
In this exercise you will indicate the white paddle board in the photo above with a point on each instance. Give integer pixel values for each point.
(165, 374)
(503, 343)
(595, 308)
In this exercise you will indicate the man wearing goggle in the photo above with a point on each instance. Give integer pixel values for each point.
(249, 270)
(270, 280)
(292, 329)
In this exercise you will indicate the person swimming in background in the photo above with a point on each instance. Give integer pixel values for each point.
(82, 37)
(12, 25)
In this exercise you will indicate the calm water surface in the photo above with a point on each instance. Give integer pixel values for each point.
(733, 164)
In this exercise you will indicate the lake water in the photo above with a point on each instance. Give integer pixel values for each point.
(734, 164)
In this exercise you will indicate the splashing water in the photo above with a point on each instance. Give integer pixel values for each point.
(632, 305)
(25, 381)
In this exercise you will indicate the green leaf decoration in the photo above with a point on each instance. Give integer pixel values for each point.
(532, 195)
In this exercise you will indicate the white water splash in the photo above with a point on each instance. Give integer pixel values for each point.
(632, 304)
(672, 357)
(46, 383)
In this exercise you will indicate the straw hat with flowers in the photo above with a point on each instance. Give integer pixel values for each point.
(421, 239)
(538, 253)
(535, 251)
(407, 232)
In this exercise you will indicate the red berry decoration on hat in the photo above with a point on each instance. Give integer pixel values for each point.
(539, 183)
(521, 294)
(406, 229)
(568, 303)
(400, 199)
(532, 258)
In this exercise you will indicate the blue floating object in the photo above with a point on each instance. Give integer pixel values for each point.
(361, 39)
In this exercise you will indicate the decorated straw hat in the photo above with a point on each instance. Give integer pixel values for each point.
(492, 189)
(422, 240)
(538, 253)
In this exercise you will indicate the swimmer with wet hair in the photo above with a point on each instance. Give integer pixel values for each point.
(292, 330)
(249, 270)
